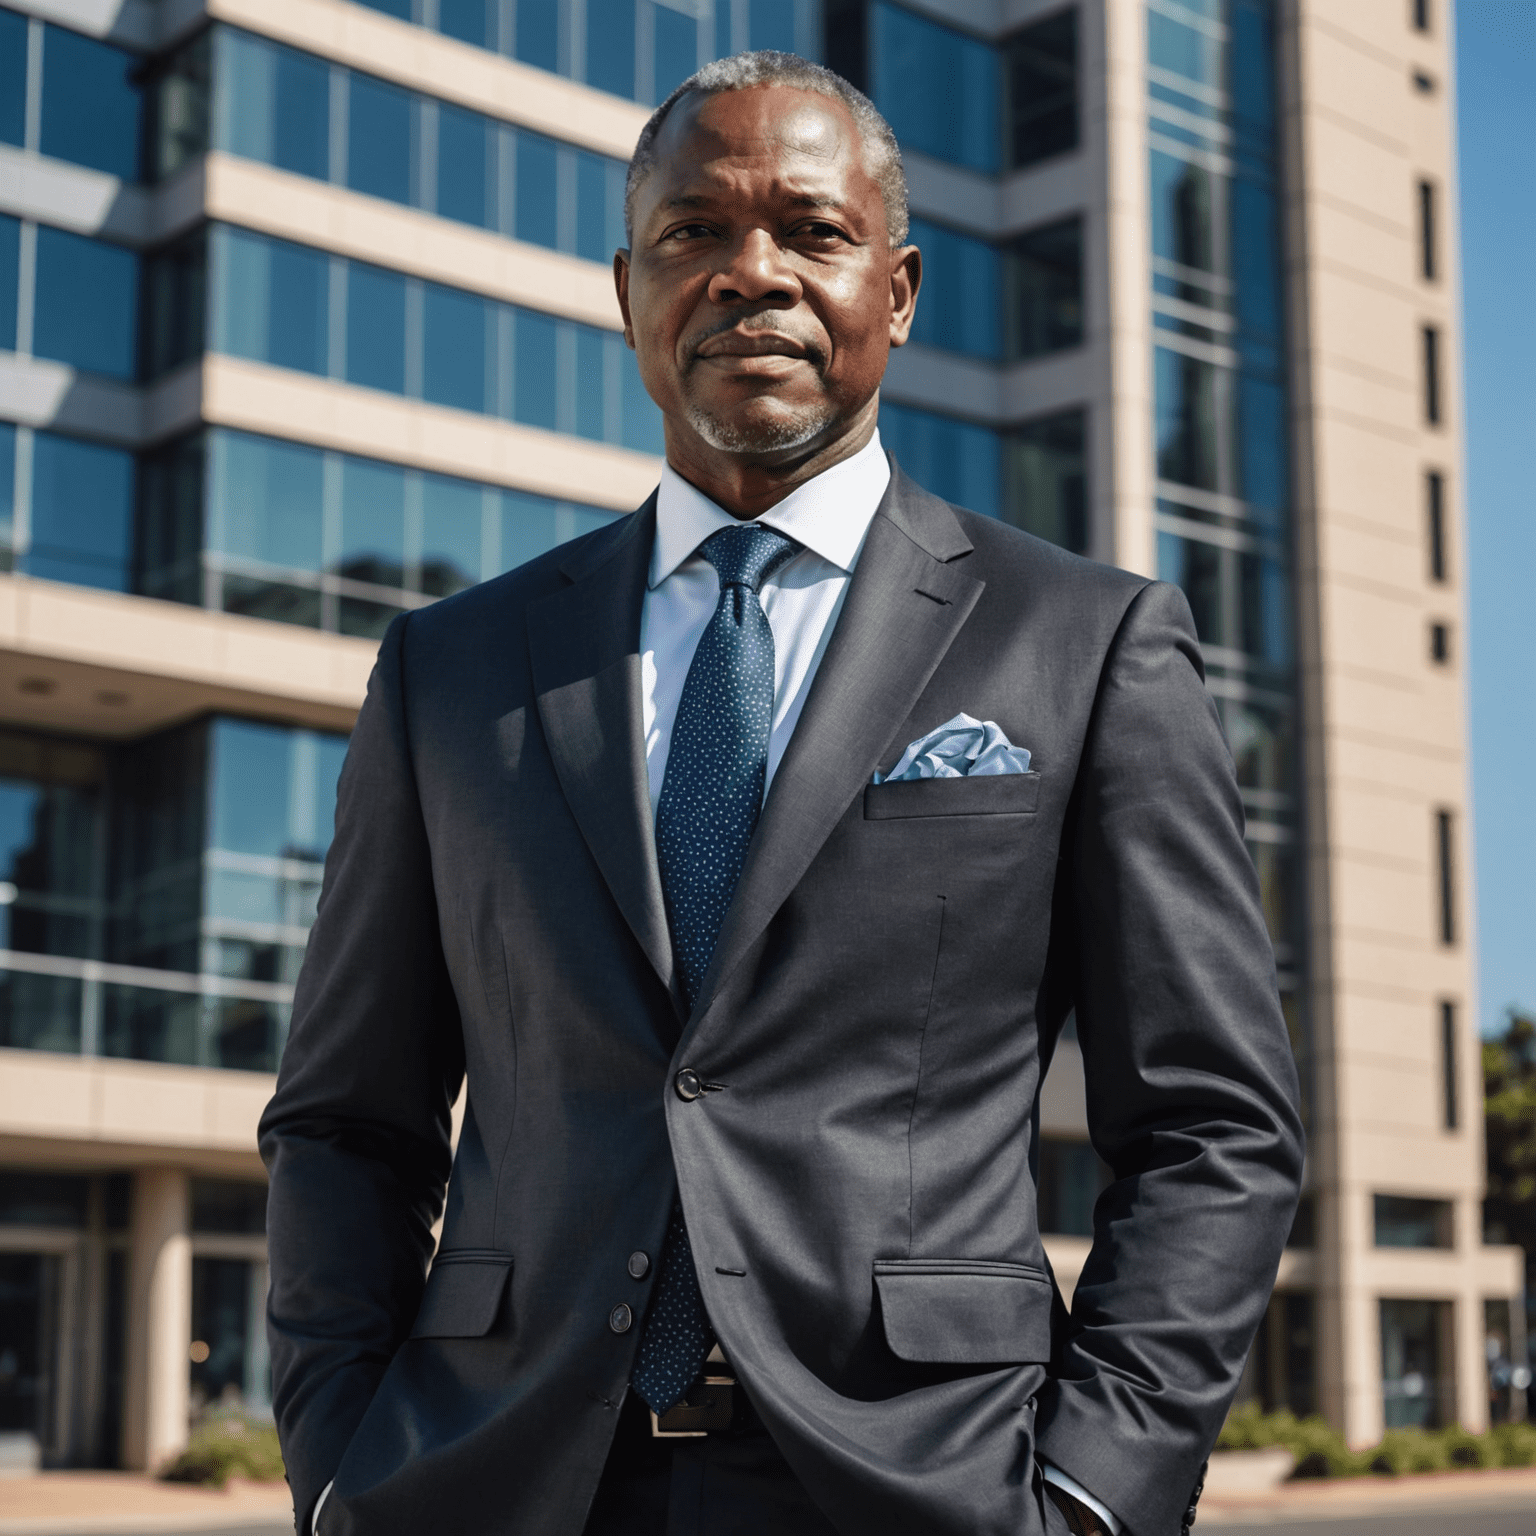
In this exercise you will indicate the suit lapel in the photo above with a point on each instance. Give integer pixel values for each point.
(584, 644)
(905, 605)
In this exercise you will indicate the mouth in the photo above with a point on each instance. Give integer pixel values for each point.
(740, 348)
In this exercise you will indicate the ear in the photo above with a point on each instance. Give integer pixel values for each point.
(621, 286)
(906, 279)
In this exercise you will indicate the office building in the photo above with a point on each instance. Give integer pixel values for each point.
(306, 319)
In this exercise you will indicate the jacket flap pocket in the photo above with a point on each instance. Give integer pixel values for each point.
(463, 1295)
(992, 794)
(946, 1311)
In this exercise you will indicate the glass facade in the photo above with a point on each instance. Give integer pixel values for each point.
(639, 49)
(1223, 511)
(81, 97)
(1033, 475)
(156, 897)
(282, 531)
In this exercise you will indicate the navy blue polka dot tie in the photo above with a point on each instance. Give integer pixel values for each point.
(710, 801)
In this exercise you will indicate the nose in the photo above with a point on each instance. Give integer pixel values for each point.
(755, 272)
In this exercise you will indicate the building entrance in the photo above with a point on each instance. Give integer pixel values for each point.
(29, 1333)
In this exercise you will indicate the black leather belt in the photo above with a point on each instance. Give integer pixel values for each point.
(708, 1406)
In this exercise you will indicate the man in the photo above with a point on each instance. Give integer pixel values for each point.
(740, 1236)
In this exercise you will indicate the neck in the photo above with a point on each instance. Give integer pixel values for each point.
(747, 485)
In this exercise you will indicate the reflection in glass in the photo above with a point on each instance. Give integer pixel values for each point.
(1186, 420)
(82, 512)
(1261, 742)
(1417, 1347)
(1265, 603)
(274, 104)
(610, 45)
(86, 306)
(266, 501)
(1276, 865)
(1040, 75)
(1044, 289)
(1184, 50)
(1183, 215)
(39, 1013)
(372, 523)
(453, 348)
(957, 460)
(676, 50)
(91, 106)
(1045, 475)
(1196, 567)
(452, 540)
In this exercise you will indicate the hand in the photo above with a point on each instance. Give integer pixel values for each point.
(1081, 1520)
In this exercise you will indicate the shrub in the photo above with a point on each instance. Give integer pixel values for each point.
(1513, 1445)
(227, 1447)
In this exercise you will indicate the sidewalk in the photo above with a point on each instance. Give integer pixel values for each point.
(51, 1503)
(1358, 1497)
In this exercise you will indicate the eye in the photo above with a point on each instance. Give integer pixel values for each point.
(685, 232)
(819, 231)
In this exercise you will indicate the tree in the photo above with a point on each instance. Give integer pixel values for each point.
(1509, 1090)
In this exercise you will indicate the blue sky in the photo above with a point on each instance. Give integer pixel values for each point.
(1496, 95)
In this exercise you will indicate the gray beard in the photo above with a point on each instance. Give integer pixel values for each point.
(773, 437)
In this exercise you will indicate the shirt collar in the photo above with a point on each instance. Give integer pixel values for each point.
(829, 514)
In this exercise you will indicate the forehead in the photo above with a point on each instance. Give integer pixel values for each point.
(760, 138)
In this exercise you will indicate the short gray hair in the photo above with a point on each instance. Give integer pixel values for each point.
(767, 67)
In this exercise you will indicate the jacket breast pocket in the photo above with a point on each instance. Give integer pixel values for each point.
(993, 794)
(964, 1311)
(463, 1294)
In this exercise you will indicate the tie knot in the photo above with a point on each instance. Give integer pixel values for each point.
(745, 556)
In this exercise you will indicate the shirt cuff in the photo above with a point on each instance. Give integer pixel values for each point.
(1067, 1485)
(314, 1519)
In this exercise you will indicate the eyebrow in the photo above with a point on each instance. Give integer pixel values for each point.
(799, 200)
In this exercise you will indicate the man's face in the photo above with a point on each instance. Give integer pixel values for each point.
(762, 295)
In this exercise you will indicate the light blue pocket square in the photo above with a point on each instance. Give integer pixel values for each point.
(961, 748)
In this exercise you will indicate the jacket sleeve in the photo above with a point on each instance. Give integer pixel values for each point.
(357, 1137)
(1191, 1083)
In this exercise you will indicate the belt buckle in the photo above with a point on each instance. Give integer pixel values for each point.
(707, 1407)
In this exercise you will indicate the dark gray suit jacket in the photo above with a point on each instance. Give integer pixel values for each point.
(883, 1002)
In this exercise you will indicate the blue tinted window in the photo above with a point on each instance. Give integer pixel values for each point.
(537, 219)
(591, 207)
(771, 24)
(397, 8)
(959, 307)
(610, 45)
(86, 310)
(1253, 75)
(471, 21)
(372, 523)
(462, 139)
(676, 50)
(7, 478)
(1256, 258)
(527, 527)
(954, 459)
(266, 501)
(1182, 213)
(298, 307)
(938, 89)
(590, 392)
(272, 789)
(535, 386)
(1183, 50)
(642, 419)
(301, 118)
(82, 512)
(538, 33)
(1262, 446)
(375, 328)
(1195, 566)
(10, 264)
(379, 139)
(13, 77)
(453, 349)
(90, 108)
(450, 543)
(245, 70)
(1186, 419)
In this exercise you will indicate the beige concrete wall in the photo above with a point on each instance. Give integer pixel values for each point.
(159, 1319)
(1386, 744)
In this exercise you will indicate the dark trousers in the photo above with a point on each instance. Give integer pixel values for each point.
(731, 1484)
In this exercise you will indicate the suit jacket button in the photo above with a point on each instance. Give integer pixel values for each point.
(621, 1318)
(688, 1084)
(639, 1265)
